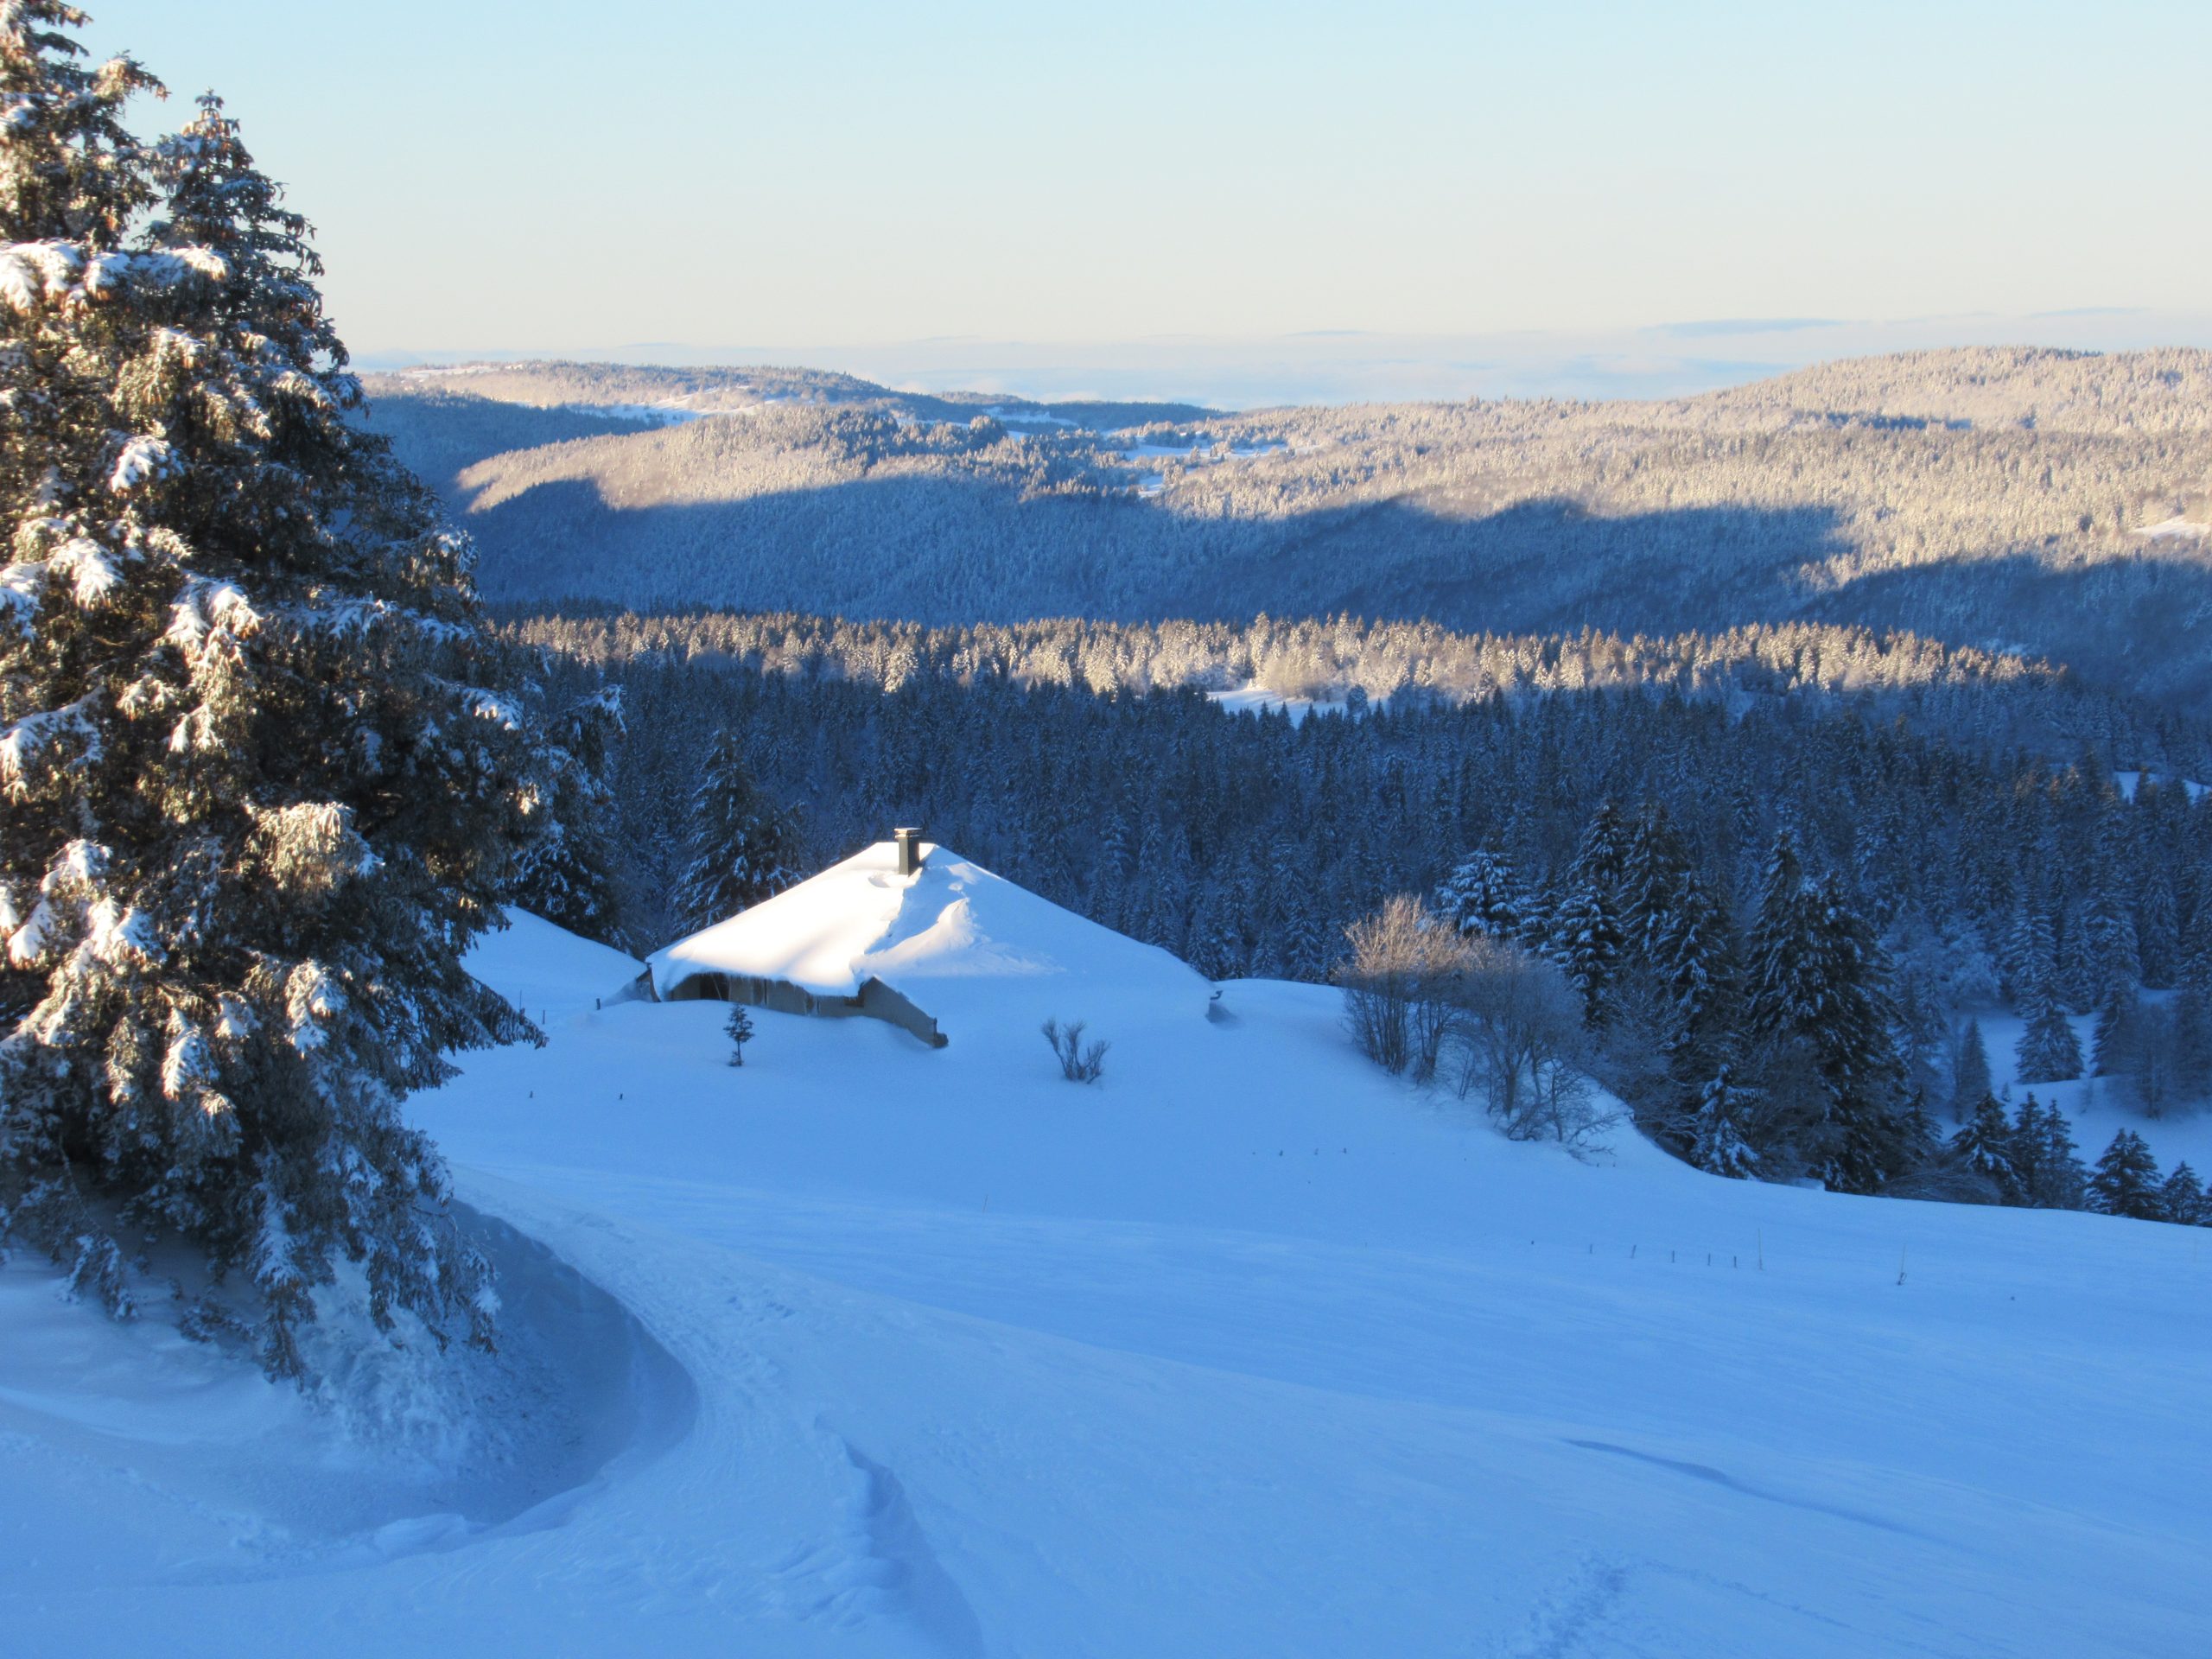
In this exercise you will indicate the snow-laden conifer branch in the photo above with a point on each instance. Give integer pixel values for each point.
(140, 460)
(40, 743)
(33, 274)
(23, 587)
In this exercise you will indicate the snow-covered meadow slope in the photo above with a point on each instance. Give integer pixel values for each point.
(865, 1348)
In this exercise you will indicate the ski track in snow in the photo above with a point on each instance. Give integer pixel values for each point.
(1565, 1617)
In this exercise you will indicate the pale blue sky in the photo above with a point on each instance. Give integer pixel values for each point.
(576, 177)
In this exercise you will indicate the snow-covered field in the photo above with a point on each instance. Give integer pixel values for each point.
(1246, 1350)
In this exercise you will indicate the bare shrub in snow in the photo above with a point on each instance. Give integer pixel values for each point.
(1564, 1106)
(1514, 1033)
(1399, 986)
(1482, 1015)
(1080, 1062)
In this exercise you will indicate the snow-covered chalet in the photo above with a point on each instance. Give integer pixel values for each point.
(911, 934)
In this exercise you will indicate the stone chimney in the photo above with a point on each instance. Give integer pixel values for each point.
(909, 843)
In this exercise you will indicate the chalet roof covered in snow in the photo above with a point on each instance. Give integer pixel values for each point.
(951, 937)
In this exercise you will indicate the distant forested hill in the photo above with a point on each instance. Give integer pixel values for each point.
(2055, 503)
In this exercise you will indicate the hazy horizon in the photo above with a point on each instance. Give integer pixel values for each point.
(1355, 366)
(1468, 177)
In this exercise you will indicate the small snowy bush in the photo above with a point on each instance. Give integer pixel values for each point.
(1079, 1062)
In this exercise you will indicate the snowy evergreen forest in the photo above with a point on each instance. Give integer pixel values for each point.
(1719, 843)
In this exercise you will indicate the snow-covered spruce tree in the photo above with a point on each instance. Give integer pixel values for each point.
(1880, 865)
(1818, 992)
(2193, 959)
(1717, 1141)
(2117, 1040)
(1969, 1072)
(1585, 927)
(2157, 933)
(1654, 869)
(742, 847)
(1694, 955)
(1585, 943)
(2052, 1174)
(1483, 894)
(1305, 949)
(2031, 1155)
(1984, 1148)
(2181, 1200)
(2127, 1180)
(1779, 956)
(1925, 1042)
(566, 874)
(1858, 1056)
(255, 798)
(1919, 1142)
(2047, 1051)
(2191, 1020)
(2031, 951)
(2111, 951)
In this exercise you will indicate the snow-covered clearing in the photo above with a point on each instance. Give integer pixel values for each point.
(672, 413)
(2126, 782)
(1201, 451)
(2176, 529)
(1245, 1350)
(2098, 1107)
(1198, 454)
(1258, 700)
(1031, 417)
